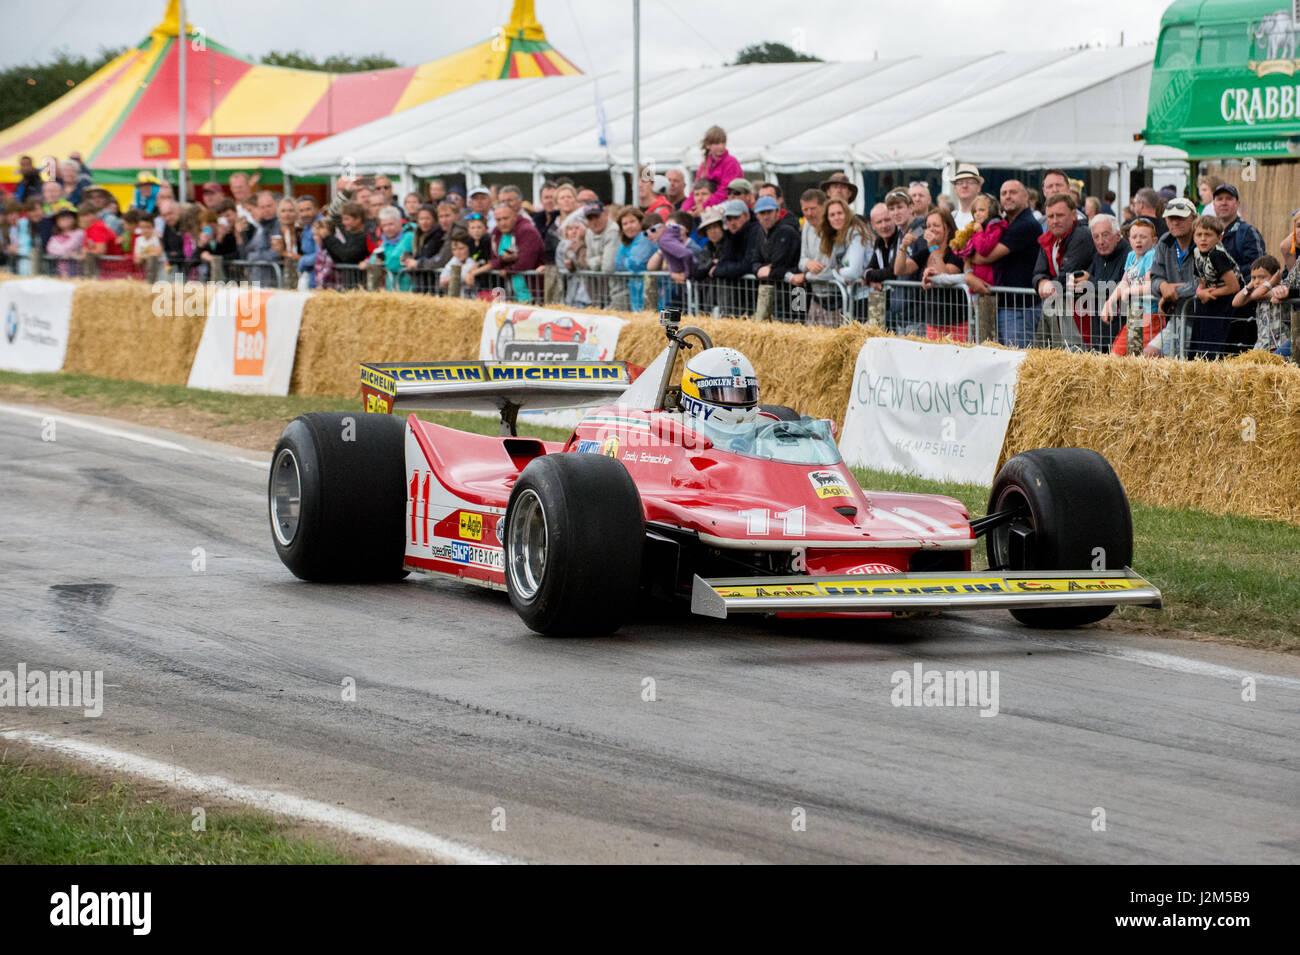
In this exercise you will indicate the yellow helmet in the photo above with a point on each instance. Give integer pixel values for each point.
(719, 387)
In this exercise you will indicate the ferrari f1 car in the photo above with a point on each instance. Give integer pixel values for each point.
(644, 499)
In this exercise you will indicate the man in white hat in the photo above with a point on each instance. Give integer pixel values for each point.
(480, 201)
(966, 182)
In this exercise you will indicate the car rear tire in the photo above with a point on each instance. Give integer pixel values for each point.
(337, 496)
(1074, 515)
(780, 412)
(573, 538)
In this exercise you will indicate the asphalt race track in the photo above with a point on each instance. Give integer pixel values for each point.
(237, 670)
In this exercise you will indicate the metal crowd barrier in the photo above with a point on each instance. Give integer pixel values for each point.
(1013, 316)
(264, 274)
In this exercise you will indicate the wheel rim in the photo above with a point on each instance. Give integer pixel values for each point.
(1006, 555)
(286, 496)
(526, 544)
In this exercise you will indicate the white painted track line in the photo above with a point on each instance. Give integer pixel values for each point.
(344, 820)
(125, 434)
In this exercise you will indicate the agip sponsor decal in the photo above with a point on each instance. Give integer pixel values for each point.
(471, 526)
(829, 484)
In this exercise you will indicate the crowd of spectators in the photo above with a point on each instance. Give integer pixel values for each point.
(1091, 269)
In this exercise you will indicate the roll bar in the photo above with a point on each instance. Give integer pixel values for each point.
(670, 319)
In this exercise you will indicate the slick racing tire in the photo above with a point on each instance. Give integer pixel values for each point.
(1073, 515)
(337, 496)
(573, 538)
(780, 412)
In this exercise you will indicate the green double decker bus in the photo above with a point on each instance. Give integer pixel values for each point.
(1226, 80)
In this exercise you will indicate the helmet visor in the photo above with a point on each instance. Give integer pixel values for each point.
(735, 391)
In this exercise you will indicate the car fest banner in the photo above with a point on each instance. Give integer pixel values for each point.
(935, 411)
(36, 315)
(249, 341)
(524, 333)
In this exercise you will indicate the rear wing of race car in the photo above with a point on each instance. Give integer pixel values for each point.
(501, 386)
(900, 593)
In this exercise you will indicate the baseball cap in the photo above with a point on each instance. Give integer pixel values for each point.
(593, 208)
(479, 191)
(740, 185)
(211, 187)
(456, 191)
(1229, 188)
(1177, 208)
(711, 215)
(766, 204)
(734, 207)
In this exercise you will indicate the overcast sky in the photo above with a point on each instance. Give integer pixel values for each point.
(592, 33)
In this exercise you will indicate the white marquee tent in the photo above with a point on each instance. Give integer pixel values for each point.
(1016, 110)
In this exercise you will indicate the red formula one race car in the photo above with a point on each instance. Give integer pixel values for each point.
(651, 493)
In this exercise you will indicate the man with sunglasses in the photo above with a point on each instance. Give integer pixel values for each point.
(743, 190)
(384, 188)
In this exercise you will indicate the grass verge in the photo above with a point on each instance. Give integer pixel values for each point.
(1234, 578)
(57, 816)
(1231, 577)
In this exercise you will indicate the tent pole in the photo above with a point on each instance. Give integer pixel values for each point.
(945, 177)
(636, 101)
(182, 39)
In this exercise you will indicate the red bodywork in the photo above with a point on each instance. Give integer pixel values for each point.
(459, 485)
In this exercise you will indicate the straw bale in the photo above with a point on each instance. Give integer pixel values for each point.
(114, 332)
(340, 331)
(1219, 436)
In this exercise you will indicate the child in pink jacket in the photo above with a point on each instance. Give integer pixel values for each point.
(718, 165)
(985, 232)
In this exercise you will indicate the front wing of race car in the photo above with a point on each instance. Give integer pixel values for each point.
(904, 593)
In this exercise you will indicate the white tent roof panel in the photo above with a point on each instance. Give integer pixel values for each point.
(1022, 109)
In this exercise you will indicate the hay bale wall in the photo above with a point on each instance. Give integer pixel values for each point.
(1219, 436)
(114, 333)
(341, 331)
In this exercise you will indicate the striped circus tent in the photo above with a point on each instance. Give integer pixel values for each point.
(241, 114)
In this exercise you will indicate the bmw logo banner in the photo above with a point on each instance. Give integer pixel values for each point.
(36, 314)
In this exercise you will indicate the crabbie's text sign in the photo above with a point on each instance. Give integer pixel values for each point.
(249, 341)
(526, 334)
(35, 314)
(936, 411)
